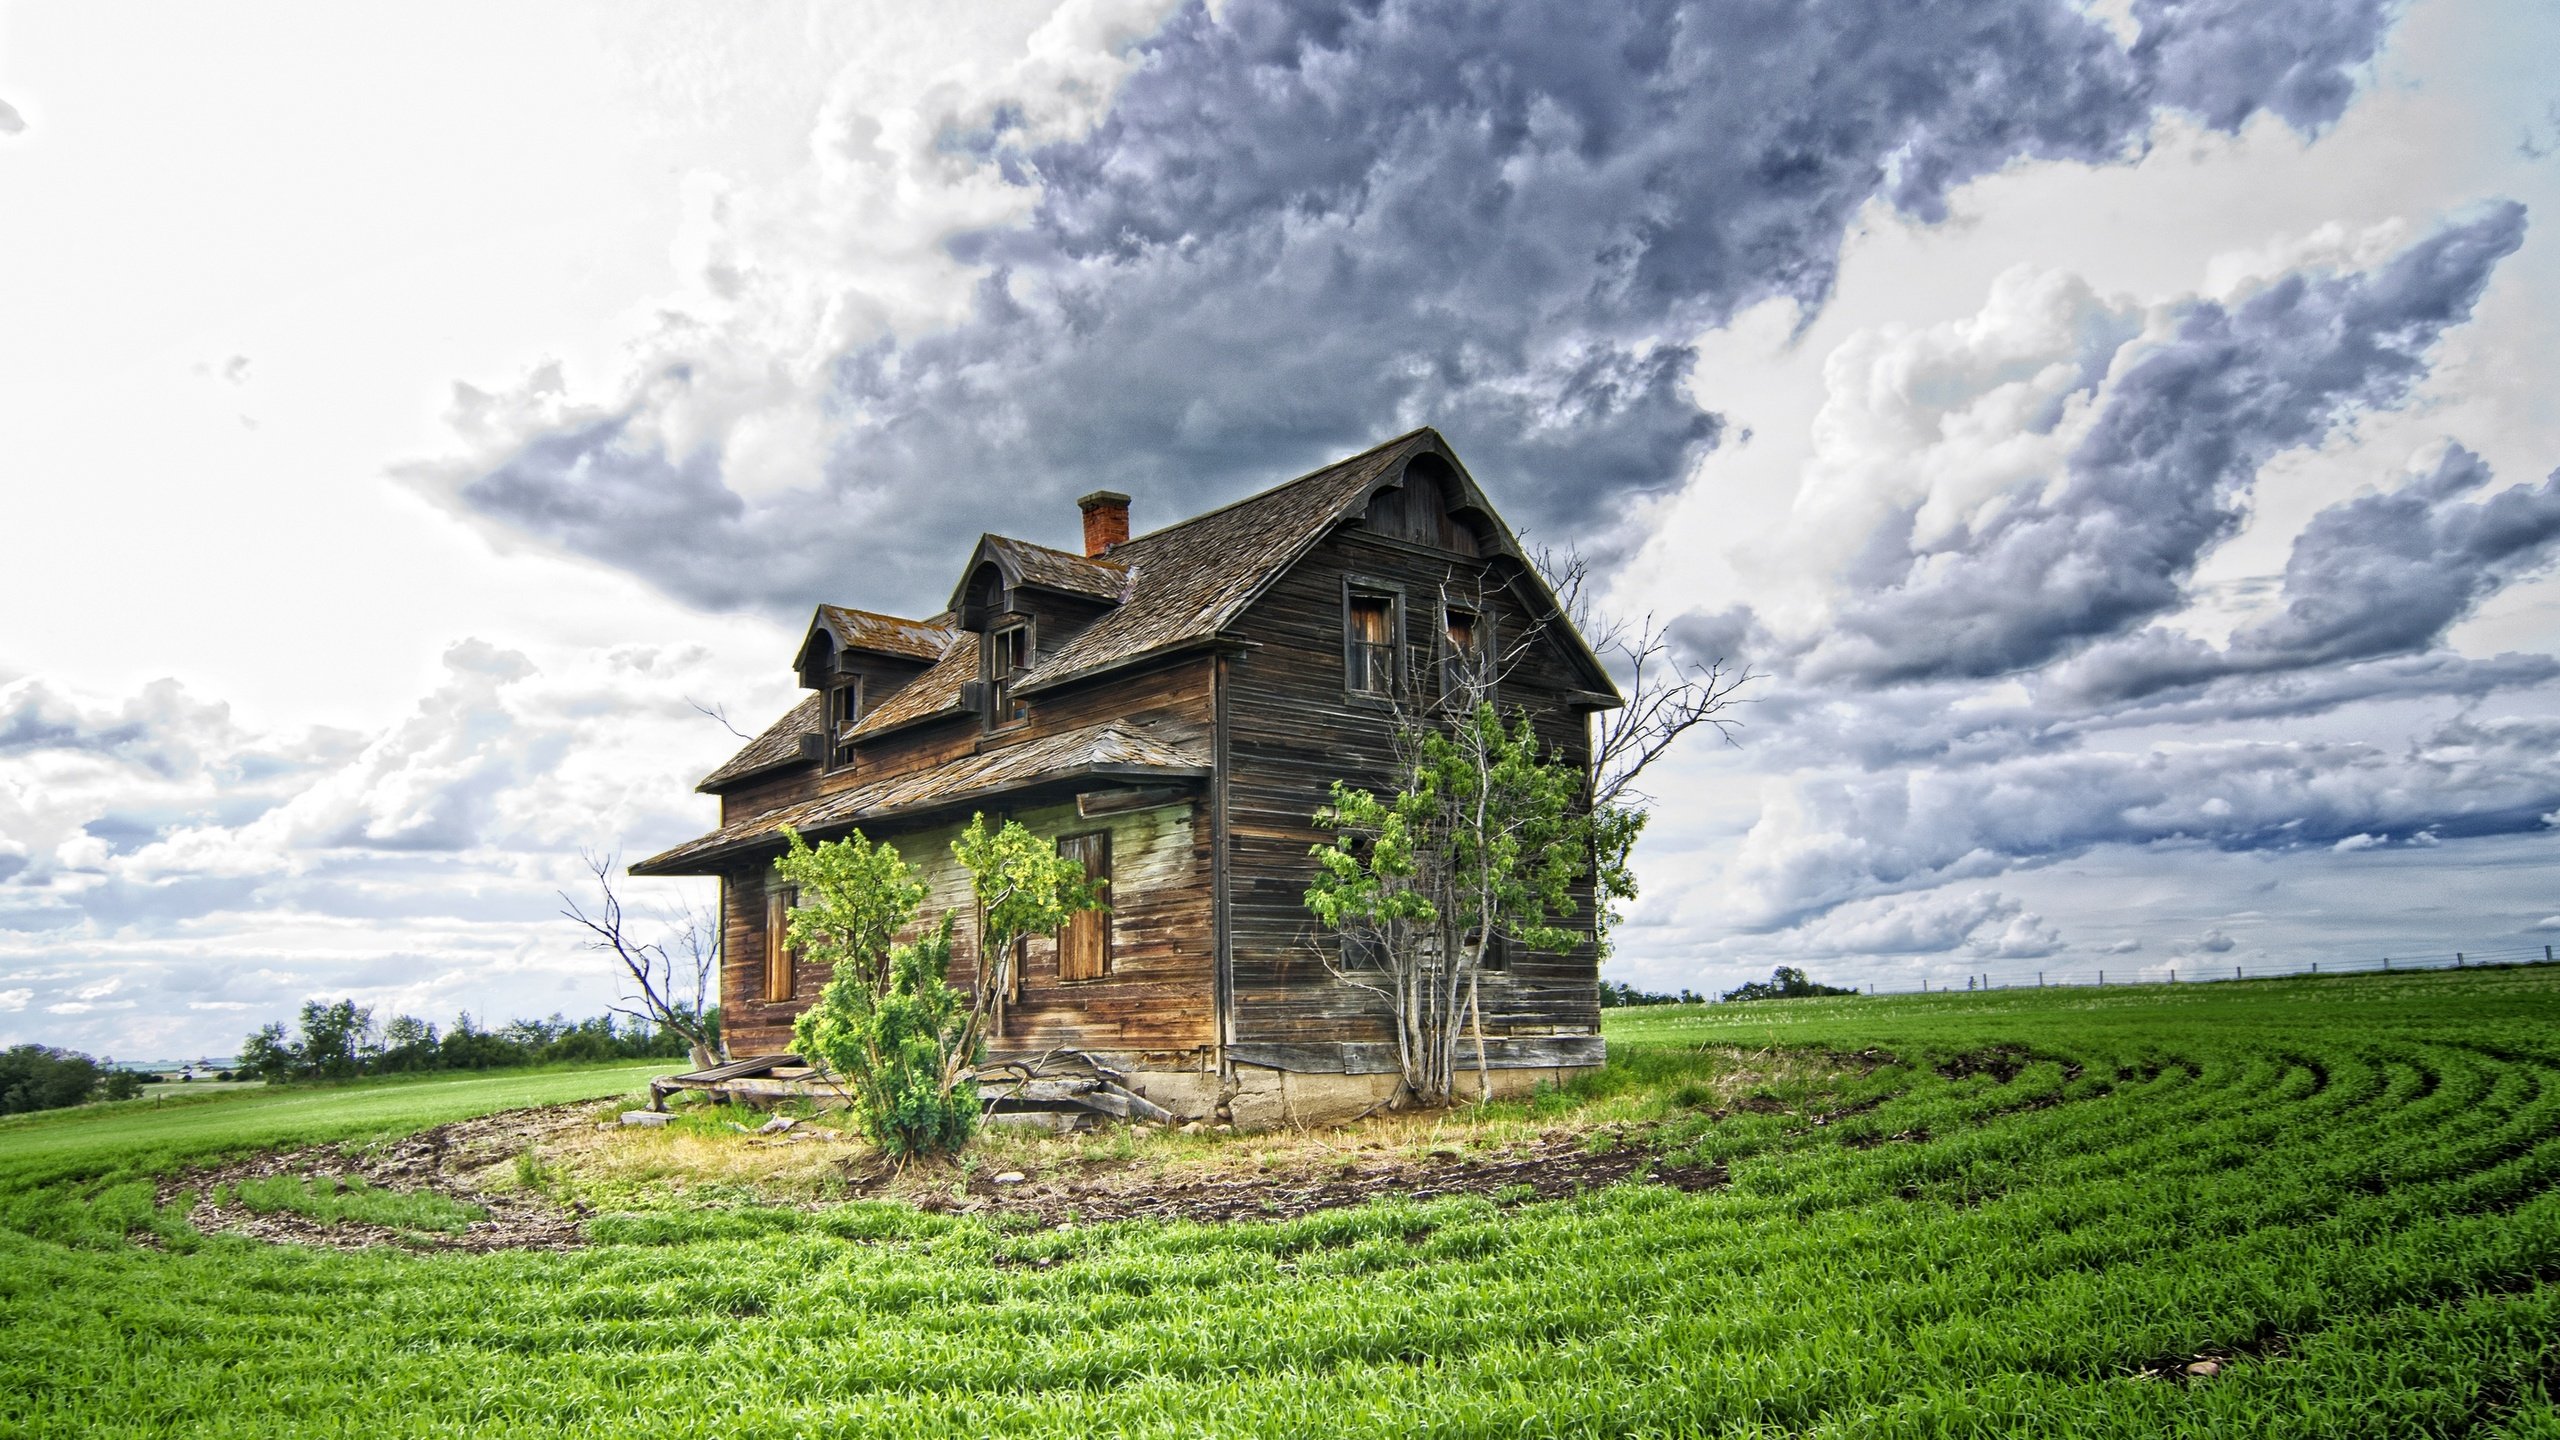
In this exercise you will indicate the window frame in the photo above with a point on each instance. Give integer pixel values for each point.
(1000, 687)
(781, 962)
(1477, 657)
(1100, 919)
(839, 750)
(1356, 588)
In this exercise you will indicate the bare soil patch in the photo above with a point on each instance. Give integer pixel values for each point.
(460, 1161)
(1554, 1166)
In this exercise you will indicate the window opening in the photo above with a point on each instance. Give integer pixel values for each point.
(844, 711)
(1008, 655)
(1369, 643)
(780, 960)
(1084, 943)
(1463, 662)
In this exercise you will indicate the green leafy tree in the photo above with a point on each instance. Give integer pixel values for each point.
(855, 899)
(1785, 983)
(1485, 837)
(269, 1053)
(888, 1026)
(889, 1048)
(40, 1077)
(1023, 887)
(336, 1040)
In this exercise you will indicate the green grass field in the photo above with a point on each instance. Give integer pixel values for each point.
(2318, 1208)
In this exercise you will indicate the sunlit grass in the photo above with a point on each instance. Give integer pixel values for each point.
(2006, 1213)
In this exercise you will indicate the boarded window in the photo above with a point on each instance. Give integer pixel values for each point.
(1084, 945)
(1369, 643)
(779, 957)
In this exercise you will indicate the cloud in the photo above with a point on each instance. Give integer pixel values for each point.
(11, 122)
(15, 1000)
(1294, 231)
(2049, 563)
(1978, 922)
(1830, 838)
(2378, 575)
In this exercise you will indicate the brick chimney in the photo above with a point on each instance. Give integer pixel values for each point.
(1106, 520)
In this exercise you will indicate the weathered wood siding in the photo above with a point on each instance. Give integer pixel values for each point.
(1156, 996)
(1159, 994)
(1293, 729)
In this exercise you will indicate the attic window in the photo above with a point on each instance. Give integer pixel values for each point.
(844, 711)
(1368, 642)
(1008, 655)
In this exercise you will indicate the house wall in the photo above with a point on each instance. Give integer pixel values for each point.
(1156, 1004)
(1293, 729)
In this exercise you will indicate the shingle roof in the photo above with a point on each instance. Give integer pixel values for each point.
(935, 692)
(1174, 587)
(778, 745)
(1064, 570)
(888, 634)
(1112, 749)
(1188, 581)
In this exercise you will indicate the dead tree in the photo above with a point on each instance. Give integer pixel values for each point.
(673, 976)
(1666, 697)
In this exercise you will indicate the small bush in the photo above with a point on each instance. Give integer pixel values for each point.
(892, 1050)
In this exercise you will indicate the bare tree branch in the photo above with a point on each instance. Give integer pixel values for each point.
(719, 713)
(661, 976)
(1666, 698)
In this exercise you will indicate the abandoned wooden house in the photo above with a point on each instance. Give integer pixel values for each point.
(1172, 707)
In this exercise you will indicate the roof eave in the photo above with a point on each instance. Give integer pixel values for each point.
(716, 859)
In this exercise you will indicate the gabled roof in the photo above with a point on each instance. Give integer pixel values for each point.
(1045, 568)
(1170, 589)
(1191, 580)
(1111, 750)
(877, 634)
(779, 745)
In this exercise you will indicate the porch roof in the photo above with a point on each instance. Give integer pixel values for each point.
(1113, 750)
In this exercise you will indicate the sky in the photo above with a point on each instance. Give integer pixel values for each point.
(2118, 436)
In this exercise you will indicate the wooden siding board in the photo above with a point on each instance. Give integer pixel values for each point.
(1293, 729)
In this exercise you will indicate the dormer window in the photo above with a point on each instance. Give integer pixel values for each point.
(844, 711)
(1008, 656)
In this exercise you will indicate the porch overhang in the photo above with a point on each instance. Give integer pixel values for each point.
(1089, 757)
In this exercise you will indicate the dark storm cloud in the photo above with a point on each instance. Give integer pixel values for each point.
(2164, 474)
(1300, 230)
(2379, 575)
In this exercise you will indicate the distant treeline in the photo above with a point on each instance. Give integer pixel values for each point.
(40, 1077)
(1785, 983)
(1613, 995)
(340, 1042)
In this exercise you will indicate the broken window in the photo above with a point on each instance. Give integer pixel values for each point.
(844, 711)
(1084, 943)
(1369, 643)
(780, 960)
(1008, 655)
